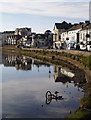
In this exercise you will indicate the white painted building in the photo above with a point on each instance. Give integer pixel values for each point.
(8, 37)
(85, 38)
(72, 35)
(59, 28)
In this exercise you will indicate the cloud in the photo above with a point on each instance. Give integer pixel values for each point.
(51, 8)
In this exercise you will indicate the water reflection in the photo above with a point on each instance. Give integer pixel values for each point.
(21, 62)
(50, 96)
(24, 88)
(62, 74)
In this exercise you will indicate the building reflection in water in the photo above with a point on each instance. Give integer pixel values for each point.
(22, 62)
(62, 74)
(26, 63)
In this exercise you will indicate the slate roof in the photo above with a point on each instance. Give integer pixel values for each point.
(81, 25)
(88, 26)
(8, 32)
(47, 31)
(39, 35)
(63, 25)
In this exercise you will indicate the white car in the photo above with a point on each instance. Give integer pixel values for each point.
(89, 45)
(86, 47)
(83, 47)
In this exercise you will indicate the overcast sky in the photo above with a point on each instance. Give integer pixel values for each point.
(40, 15)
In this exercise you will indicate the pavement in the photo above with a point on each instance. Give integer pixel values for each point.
(78, 52)
(84, 53)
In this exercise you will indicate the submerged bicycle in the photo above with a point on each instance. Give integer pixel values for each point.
(50, 96)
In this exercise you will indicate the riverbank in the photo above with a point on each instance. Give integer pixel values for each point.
(73, 60)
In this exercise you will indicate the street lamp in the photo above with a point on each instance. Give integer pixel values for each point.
(67, 39)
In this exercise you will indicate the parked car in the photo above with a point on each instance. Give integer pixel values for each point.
(71, 45)
(27, 45)
(89, 46)
(86, 46)
(82, 46)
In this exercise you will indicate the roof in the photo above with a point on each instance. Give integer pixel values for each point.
(63, 25)
(39, 35)
(88, 26)
(81, 25)
(75, 27)
(8, 32)
(48, 31)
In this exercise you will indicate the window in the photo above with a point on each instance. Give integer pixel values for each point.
(81, 35)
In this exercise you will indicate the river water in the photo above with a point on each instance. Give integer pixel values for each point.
(25, 82)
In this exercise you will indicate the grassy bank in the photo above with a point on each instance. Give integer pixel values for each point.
(81, 64)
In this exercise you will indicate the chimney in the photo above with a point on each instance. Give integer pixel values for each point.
(75, 24)
(87, 21)
(81, 23)
(70, 24)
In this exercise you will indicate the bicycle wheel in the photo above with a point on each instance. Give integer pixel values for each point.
(48, 97)
(48, 94)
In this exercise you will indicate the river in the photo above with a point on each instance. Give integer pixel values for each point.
(25, 82)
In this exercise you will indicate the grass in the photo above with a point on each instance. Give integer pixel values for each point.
(81, 115)
(87, 61)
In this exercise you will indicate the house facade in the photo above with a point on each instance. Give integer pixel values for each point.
(23, 36)
(8, 37)
(85, 37)
(83, 32)
(23, 31)
(59, 28)
(0, 39)
(73, 35)
(39, 41)
(48, 38)
(43, 40)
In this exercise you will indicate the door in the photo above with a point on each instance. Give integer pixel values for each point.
(77, 37)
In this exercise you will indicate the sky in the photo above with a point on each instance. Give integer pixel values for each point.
(41, 15)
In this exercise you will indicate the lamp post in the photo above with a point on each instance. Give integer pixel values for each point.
(67, 39)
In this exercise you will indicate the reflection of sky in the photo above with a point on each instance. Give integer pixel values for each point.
(24, 94)
(0, 90)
